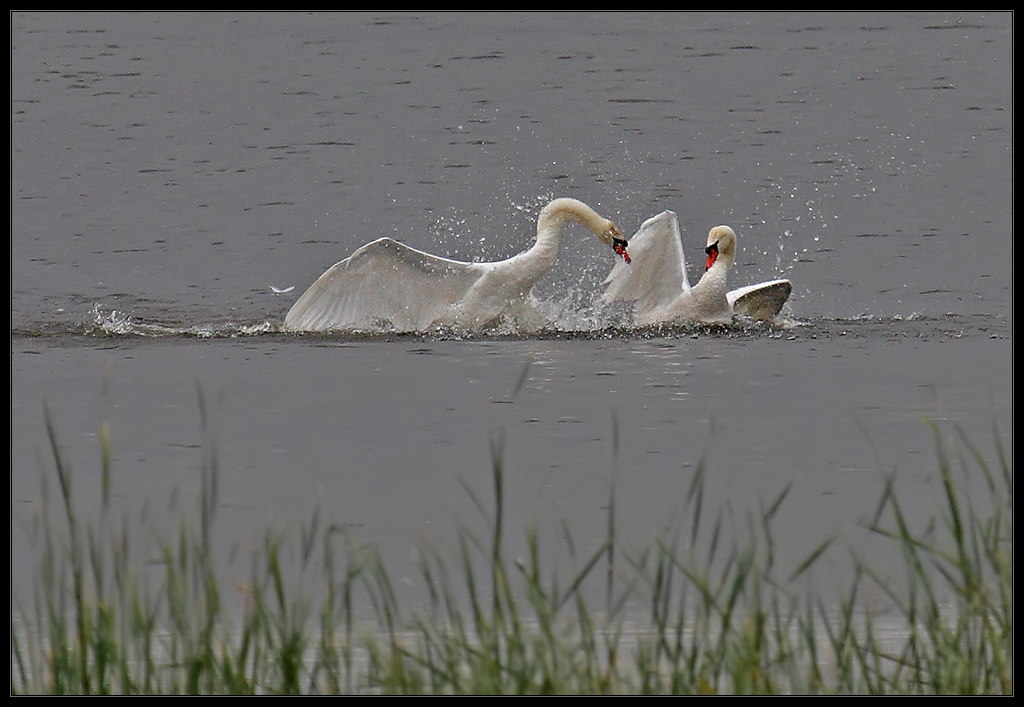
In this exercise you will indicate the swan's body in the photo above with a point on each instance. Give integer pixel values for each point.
(388, 286)
(660, 292)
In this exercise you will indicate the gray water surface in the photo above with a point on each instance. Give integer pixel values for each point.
(169, 170)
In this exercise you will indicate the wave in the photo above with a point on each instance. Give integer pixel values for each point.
(567, 322)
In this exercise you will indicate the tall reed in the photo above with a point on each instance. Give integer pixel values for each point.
(113, 614)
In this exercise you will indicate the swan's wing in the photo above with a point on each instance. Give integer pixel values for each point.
(761, 301)
(383, 285)
(657, 274)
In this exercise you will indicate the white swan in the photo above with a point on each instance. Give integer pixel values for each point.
(658, 288)
(388, 286)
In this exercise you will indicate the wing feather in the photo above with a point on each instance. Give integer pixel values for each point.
(384, 285)
(657, 275)
(761, 301)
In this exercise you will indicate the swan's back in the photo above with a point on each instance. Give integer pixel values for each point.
(383, 286)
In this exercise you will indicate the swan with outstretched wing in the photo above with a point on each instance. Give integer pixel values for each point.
(657, 286)
(388, 286)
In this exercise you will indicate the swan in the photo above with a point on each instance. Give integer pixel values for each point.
(388, 286)
(658, 288)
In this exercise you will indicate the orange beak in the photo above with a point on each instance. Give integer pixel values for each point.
(712, 251)
(620, 247)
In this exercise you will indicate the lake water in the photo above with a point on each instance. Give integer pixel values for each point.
(171, 171)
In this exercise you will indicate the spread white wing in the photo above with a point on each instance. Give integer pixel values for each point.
(761, 301)
(384, 285)
(656, 277)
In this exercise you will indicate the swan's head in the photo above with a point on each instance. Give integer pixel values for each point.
(619, 244)
(611, 235)
(721, 243)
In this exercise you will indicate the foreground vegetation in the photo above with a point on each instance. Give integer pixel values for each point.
(717, 620)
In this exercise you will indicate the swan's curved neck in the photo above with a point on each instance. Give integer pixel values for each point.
(531, 264)
(553, 217)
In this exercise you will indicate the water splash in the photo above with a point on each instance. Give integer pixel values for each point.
(571, 316)
(115, 323)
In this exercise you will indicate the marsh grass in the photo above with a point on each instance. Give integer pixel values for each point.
(107, 617)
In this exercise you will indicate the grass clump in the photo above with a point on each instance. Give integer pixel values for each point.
(114, 614)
